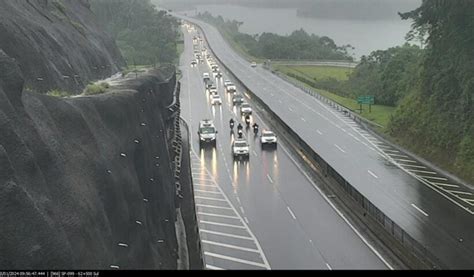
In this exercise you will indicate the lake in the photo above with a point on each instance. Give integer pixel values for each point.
(365, 36)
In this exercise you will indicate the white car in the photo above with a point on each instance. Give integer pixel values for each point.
(240, 148)
(268, 137)
(216, 99)
(207, 132)
(227, 82)
(205, 76)
(245, 109)
(253, 64)
(230, 88)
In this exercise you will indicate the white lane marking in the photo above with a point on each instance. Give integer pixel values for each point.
(415, 166)
(337, 211)
(222, 224)
(289, 108)
(398, 155)
(420, 210)
(212, 206)
(445, 185)
(242, 209)
(269, 178)
(230, 246)
(422, 171)
(206, 191)
(338, 147)
(328, 266)
(202, 179)
(208, 266)
(435, 178)
(224, 234)
(319, 132)
(403, 160)
(391, 151)
(245, 224)
(203, 185)
(459, 192)
(373, 174)
(303, 119)
(218, 215)
(210, 198)
(254, 153)
(234, 259)
(291, 212)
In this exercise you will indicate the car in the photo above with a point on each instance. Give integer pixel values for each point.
(207, 132)
(208, 83)
(216, 99)
(218, 75)
(245, 109)
(268, 138)
(205, 76)
(230, 88)
(227, 82)
(253, 64)
(237, 99)
(213, 89)
(240, 148)
(193, 63)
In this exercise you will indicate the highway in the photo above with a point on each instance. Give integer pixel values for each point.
(432, 208)
(263, 213)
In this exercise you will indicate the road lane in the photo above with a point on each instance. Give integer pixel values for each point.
(395, 189)
(314, 237)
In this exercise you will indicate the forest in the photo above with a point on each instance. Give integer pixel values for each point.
(144, 35)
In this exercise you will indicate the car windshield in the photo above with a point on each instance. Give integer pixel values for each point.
(240, 144)
(268, 134)
(208, 130)
(245, 105)
(215, 96)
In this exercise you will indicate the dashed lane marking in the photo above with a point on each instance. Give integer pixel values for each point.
(328, 266)
(291, 213)
(319, 132)
(340, 149)
(420, 210)
(269, 178)
(218, 215)
(373, 174)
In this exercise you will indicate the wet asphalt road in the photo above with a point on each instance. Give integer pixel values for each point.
(432, 208)
(261, 213)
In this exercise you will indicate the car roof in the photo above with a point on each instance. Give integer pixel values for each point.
(240, 140)
(267, 132)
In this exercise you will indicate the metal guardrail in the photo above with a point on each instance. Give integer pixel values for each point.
(391, 227)
(357, 118)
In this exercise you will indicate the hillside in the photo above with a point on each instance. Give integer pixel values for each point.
(57, 43)
(87, 182)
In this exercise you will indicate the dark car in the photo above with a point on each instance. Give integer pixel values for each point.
(237, 99)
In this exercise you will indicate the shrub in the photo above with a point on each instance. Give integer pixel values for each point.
(58, 93)
(93, 89)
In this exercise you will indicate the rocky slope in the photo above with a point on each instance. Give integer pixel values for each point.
(56, 43)
(94, 182)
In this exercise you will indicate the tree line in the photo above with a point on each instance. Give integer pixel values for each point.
(143, 34)
(299, 45)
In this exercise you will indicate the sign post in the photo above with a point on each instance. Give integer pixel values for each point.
(366, 99)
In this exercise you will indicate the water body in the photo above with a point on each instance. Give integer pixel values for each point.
(365, 36)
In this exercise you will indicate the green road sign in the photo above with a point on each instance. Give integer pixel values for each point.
(366, 99)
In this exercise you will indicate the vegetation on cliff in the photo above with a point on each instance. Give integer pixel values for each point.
(143, 34)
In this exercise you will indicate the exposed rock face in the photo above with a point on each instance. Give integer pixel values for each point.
(86, 182)
(79, 176)
(56, 43)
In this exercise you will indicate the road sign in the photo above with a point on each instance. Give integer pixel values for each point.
(366, 99)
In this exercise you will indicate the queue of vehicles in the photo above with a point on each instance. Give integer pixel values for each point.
(207, 131)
